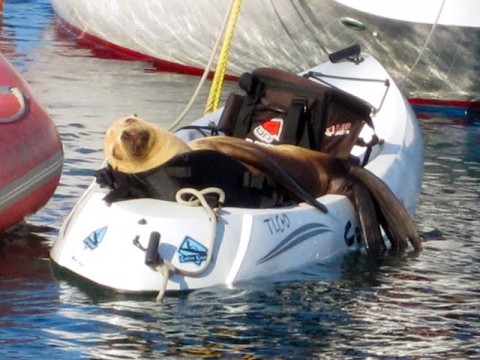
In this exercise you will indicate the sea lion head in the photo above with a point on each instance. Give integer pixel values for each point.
(133, 145)
(128, 139)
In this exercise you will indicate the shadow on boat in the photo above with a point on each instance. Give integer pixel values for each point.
(75, 288)
(352, 271)
(24, 254)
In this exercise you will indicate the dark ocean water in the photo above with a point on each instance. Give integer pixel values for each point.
(402, 307)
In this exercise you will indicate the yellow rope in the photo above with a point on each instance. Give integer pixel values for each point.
(216, 88)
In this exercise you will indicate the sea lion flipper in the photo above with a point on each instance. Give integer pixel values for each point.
(254, 157)
(395, 219)
(367, 219)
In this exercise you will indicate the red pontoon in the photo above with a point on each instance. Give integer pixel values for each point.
(31, 151)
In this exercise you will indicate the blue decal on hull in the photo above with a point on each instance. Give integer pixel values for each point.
(296, 237)
(95, 238)
(192, 251)
(348, 235)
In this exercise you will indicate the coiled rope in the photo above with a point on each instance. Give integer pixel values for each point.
(216, 88)
(192, 197)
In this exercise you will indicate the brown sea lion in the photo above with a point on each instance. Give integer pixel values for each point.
(133, 145)
(319, 174)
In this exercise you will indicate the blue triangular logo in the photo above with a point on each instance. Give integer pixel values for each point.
(95, 238)
(192, 251)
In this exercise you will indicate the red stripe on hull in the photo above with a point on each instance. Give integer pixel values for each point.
(27, 205)
(122, 53)
(460, 111)
(466, 104)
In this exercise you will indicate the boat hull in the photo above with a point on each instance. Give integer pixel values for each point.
(440, 64)
(32, 155)
(108, 245)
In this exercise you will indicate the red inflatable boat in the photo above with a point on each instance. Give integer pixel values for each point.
(31, 155)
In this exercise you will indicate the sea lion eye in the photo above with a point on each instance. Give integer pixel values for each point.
(130, 135)
(144, 135)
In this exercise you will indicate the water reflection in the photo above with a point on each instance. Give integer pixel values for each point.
(393, 306)
(451, 189)
(424, 306)
(84, 94)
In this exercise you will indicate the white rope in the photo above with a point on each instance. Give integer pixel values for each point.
(166, 269)
(192, 197)
(197, 197)
(207, 68)
(427, 41)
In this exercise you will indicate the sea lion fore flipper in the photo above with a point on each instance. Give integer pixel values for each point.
(252, 156)
(367, 219)
(395, 220)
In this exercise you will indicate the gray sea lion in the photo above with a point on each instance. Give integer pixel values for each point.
(133, 145)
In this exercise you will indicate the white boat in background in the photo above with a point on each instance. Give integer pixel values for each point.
(442, 77)
(462, 13)
(112, 245)
(430, 47)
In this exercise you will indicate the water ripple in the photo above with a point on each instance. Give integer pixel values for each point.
(402, 307)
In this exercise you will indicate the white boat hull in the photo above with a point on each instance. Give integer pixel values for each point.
(106, 244)
(249, 244)
(430, 50)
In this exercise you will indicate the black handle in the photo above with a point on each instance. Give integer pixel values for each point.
(349, 52)
(151, 256)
